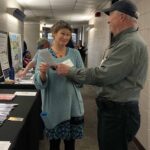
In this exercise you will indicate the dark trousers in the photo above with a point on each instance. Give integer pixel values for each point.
(69, 144)
(117, 124)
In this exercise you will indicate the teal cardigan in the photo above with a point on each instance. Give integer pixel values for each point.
(61, 97)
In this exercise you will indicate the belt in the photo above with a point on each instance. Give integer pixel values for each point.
(104, 102)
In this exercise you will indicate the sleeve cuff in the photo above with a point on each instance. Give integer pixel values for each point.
(72, 72)
(40, 81)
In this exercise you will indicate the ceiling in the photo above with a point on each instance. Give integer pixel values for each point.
(49, 11)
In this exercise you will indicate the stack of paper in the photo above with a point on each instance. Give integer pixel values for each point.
(5, 110)
(4, 145)
(26, 82)
(22, 93)
(7, 96)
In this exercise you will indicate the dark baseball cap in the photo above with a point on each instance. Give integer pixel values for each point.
(124, 6)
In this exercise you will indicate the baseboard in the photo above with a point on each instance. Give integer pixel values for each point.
(138, 144)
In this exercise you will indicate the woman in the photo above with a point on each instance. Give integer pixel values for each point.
(42, 43)
(62, 105)
(27, 58)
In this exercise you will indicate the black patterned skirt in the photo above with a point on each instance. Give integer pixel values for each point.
(70, 129)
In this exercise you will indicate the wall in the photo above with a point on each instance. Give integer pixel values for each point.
(31, 35)
(98, 40)
(9, 23)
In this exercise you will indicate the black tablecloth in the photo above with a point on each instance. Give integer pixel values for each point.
(23, 135)
(17, 86)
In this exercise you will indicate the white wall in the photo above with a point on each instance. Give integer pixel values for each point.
(98, 40)
(31, 35)
(8, 23)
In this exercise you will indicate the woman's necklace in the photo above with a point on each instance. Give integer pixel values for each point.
(60, 53)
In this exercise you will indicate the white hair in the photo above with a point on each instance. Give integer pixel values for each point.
(128, 17)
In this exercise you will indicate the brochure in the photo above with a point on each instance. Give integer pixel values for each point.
(7, 97)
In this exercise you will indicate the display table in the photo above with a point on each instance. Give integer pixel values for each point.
(24, 83)
(23, 135)
(16, 86)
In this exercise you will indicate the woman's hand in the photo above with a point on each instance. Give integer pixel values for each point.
(43, 69)
(62, 69)
(21, 73)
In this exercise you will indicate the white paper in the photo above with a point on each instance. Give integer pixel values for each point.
(68, 62)
(5, 109)
(32, 77)
(4, 145)
(26, 82)
(25, 93)
(45, 56)
(7, 105)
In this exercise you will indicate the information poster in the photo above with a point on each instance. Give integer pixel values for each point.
(4, 51)
(16, 50)
(1, 74)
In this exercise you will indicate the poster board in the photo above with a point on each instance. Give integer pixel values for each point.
(4, 60)
(16, 50)
(1, 74)
(4, 50)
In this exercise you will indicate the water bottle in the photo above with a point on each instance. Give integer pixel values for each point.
(11, 73)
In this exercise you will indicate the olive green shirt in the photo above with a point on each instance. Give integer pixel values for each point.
(122, 72)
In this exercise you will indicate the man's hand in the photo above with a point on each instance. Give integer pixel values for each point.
(62, 69)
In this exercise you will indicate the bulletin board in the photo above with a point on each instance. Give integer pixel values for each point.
(16, 50)
(1, 74)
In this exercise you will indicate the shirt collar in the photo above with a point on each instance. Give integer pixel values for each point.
(119, 35)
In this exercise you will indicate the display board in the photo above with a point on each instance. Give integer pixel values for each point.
(16, 50)
(1, 74)
(4, 60)
(4, 50)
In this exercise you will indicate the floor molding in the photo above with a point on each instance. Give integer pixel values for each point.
(138, 144)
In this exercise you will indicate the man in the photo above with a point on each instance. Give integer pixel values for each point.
(82, 50)
(42, 43)
(120, 78)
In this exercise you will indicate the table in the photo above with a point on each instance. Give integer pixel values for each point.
(23, 135)
(17, 86)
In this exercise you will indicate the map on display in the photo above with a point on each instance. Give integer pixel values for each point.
(16, 50)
